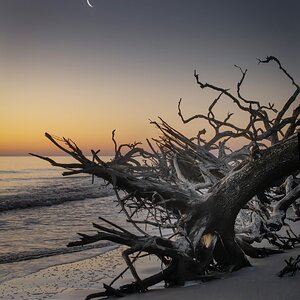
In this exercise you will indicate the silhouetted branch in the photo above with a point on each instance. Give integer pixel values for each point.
(292, 265)
(207, 203)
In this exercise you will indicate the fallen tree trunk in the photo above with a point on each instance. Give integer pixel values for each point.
(206, 224)
(214, 206)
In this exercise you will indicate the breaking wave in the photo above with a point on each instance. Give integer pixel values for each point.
(40, 253)
(47, 191)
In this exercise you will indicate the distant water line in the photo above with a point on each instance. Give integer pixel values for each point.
(41, 212)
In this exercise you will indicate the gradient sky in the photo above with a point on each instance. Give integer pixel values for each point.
(81, 72)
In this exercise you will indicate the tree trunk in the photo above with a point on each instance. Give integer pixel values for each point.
(216, 206)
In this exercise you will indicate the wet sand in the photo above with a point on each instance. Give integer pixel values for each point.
(76, 280)
(48, 283)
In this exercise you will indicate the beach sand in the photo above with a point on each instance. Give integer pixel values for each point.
(50, 282)
(74, 281)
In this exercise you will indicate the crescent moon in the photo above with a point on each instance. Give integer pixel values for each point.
(89, 4)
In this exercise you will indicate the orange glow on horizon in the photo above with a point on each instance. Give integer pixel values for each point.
(60, 100)
(78, 72)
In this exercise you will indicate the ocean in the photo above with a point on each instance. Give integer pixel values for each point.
(41, 211)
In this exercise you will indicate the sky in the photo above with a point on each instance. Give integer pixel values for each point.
(80, 72)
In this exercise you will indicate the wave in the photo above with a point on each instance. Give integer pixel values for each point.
(40, 178)
(41, 253)
(10, 172)
(48, 196)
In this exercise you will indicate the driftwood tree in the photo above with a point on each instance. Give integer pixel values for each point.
(209, 204)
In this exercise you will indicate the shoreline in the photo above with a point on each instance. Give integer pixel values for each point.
(62, 259)
(51, 281)
(78, 279)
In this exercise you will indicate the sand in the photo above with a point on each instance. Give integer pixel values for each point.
(76, 280)
(48, 283)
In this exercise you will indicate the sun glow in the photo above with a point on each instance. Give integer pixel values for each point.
(81, 73)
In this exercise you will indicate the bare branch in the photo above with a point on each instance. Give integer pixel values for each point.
(273, 58)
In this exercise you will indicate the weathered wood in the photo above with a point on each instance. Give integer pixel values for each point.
(215, 205)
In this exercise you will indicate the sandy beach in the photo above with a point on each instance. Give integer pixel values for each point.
(76, 280)
(48, 283)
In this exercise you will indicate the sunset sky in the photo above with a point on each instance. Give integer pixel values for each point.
(81, 72)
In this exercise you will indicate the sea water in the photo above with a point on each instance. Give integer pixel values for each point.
(41, 211)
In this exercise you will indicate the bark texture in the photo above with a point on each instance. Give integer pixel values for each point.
(208, 203)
